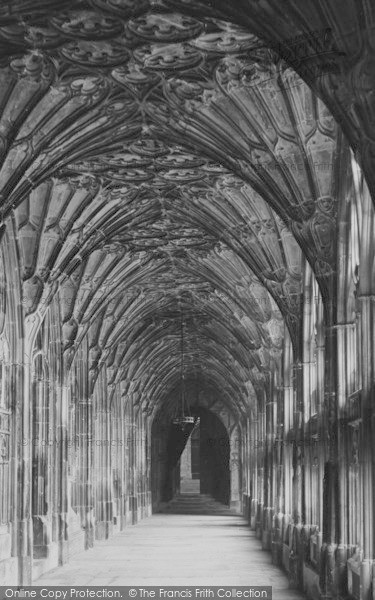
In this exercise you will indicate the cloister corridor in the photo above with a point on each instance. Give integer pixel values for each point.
(187, 293)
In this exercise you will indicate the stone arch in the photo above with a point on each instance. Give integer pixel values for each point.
(232, 445)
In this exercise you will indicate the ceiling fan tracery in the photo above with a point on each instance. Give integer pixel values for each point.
(144, 149)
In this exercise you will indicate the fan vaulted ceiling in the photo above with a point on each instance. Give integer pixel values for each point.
(159, 157)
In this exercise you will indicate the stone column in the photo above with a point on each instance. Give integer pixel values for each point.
(148, 466)
(279, 465)
(20, 406)
(268, 509)
(61, 466)
(367, 447)
(23, 531)
(298, 439)
(7, 564)
(261, 450)
(235, 470)
(41, 507)
(85, 436)
(298, 509)
(254, 470)
(102, 471)
(329, 560)
(345, 334)
(132, 463)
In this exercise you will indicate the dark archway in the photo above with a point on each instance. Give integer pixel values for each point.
(168, 443)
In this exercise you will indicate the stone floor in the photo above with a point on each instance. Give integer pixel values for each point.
(175, 549)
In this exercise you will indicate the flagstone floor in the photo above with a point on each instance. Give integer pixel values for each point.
(180, 550)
